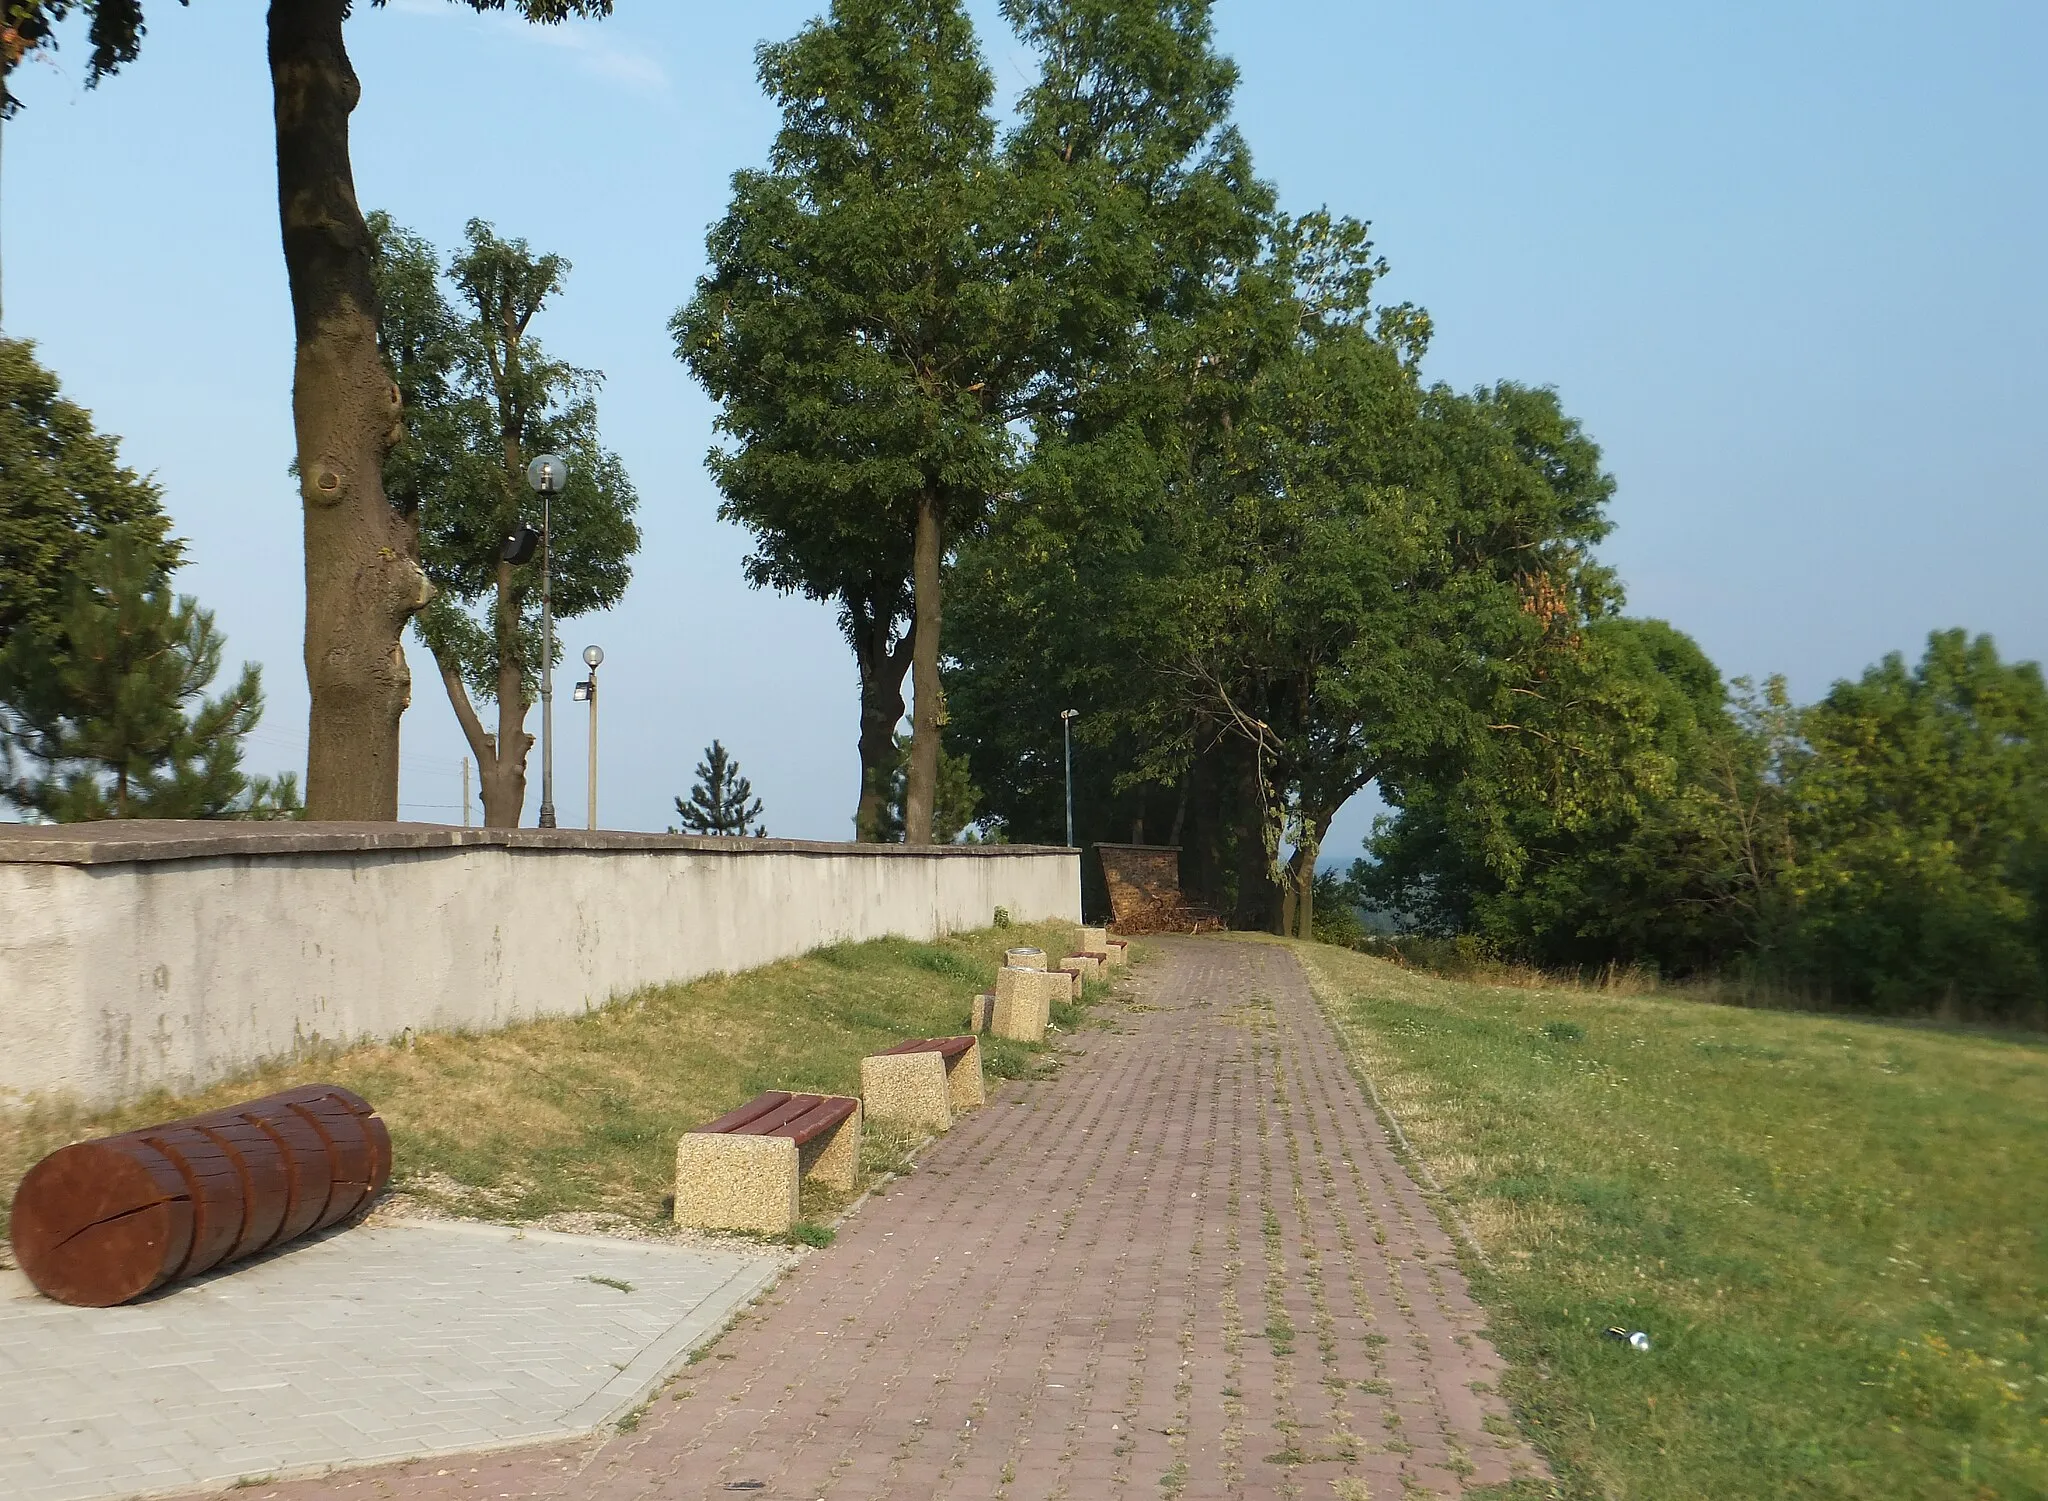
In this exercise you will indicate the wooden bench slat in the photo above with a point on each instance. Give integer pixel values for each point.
(819, 1119)
(769, 1123)
(800, 1117)
(946, 1047)
(732, 1120)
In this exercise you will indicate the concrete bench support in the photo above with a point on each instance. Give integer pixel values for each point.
(1082, 967)
(742, 1171)
(924, 1083)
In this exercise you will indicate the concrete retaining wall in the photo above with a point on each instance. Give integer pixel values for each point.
(140, 956)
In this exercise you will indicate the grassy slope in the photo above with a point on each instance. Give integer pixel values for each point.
(1835, 1232)
(582, 1113)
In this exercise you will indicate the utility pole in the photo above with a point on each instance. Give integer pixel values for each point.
(1067, 718)
(465, 792)
(547, 474)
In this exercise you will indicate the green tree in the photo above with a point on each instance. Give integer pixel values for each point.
(63, 490)
(1314, 574)
(1886, 847)
(1676, 874)
(105, 713)
(363, 577)
(953, 811)
(1920, 830)
(481, 398)
(866, 329)
(1149, 206)
(721, 801)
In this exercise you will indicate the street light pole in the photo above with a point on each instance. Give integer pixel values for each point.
(587, 691)
(1067, 718)
(547, 474)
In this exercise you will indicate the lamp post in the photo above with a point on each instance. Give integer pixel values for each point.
(1067, 718)
(547, 474)
(586, 692)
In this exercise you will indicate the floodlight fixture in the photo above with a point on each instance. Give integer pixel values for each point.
(519, 547)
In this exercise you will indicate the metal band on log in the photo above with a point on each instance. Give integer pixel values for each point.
(101, 1222)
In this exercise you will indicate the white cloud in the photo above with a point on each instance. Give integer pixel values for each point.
(586, 43)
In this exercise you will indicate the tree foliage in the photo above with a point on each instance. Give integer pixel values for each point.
(63, 491)
(1296, 570)
(481, 398)
(865, 328)
(721, 800)
(1886, 847)
(954, 809)
(1919, 834)
(105, 713)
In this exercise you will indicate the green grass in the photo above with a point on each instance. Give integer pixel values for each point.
(1833, 1232)
(581, 1114)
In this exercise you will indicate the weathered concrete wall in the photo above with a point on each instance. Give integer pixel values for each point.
(170, 955)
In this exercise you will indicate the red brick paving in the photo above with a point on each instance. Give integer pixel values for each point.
(1188, 1266)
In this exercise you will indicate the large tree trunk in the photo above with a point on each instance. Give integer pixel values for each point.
(1301, 876)
(504, 785)
(362, 578)
(1258, 897)
(883, 658)
(921, 791)
(501, 772)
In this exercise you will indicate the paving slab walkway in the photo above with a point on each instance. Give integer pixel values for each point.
(1188, 1266)
(375, 1343)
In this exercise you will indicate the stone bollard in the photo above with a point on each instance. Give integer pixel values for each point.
(1094, 940)
(1023, 1002)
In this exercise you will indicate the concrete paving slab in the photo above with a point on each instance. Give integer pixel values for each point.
(411, 1339)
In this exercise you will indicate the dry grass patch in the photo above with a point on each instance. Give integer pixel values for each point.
(580, 1115)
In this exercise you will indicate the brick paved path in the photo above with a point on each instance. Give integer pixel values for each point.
(1188, 1266)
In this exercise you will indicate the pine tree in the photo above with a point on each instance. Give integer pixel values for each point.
(104, 714)
(953, 807)
(63, 487)
(719, 803)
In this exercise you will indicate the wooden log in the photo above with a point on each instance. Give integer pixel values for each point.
(102, 1222)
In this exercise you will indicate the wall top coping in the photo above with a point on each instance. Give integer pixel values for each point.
(138, 841)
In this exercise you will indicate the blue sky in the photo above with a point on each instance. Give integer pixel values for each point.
(1782, 260)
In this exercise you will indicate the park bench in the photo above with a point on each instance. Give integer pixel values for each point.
(1110, 950)
(101, 1222)
(923, 1083)
(741, 1171)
